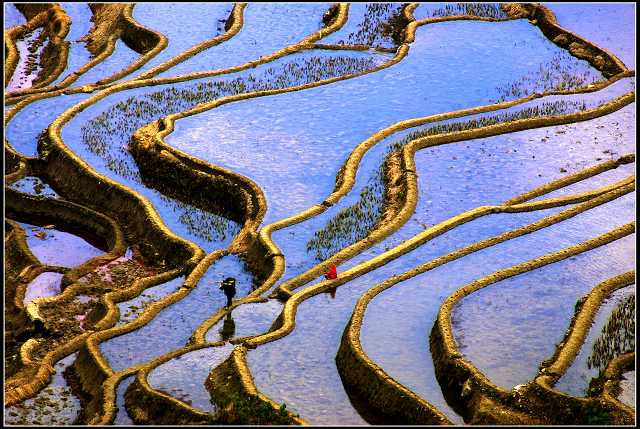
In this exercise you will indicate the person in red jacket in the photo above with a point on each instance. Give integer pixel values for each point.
(332, 274)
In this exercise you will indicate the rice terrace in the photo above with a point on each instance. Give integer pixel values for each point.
(319, 213)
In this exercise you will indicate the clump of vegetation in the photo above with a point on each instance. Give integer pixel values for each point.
(107, 134)
(355, 222)
(352, 223)
(597, 416)
(562, 72)
(380, 27)
(205, 225)
(34, 41)
(485, 10)
(251, 410)
(618, 335)
(544, 109)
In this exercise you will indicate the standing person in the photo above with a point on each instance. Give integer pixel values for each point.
(228, 286)
(332, 273)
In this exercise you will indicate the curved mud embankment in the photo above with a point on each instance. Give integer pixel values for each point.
(99, 230)
(74, 179)
(55, 23)
(360, 373)
(482, 402)
(604, 61)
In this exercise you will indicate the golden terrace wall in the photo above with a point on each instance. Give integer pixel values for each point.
(71, 178)
(381, 391)
(360, 373)
(99, 230)
(205, 186)
(92, 343)
(193, 181)
(56, 25)
(610, 381)
(464, 386)
(232, 380)
(147, 405)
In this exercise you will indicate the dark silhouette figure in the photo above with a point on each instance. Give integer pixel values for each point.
(228, 328)
(228, 286)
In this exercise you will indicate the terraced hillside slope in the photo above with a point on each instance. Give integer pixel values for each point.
(466, 170)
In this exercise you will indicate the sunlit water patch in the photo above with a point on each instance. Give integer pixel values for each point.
(501, 167)
(605, 178)
(246, 320)
(397, 324)
(34, 186)
(130, 310)
(611, 334)
(321, 235)
(300, 368)
(183, 377)
(54, 247)
(79, 55)
(121, 57)
(46, 284)
(318, 144)
(509, 328)
(26, 126)
(54, 405)
(183, 24)
(12, 16)
(267, 28)
(106, 133)
(171, 328)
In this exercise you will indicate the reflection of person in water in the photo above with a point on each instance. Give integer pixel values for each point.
(332, 292)
(228, 328)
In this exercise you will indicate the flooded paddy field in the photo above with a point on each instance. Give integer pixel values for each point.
(318, 213)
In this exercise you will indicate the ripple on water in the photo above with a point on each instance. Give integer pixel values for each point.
(246, 320)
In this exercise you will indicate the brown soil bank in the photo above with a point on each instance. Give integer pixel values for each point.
(72, 179)
(56, 24)
(607, 63)
(209, 188)
(110, 19)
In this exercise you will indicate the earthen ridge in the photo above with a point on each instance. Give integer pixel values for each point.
(459, 371)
